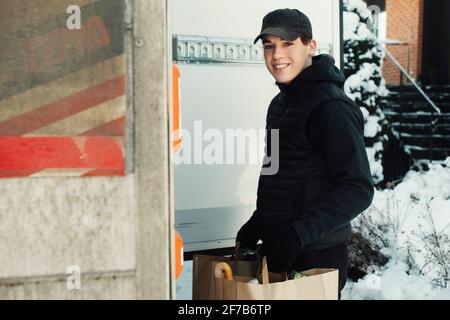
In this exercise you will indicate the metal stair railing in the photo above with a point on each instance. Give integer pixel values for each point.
(436, 110)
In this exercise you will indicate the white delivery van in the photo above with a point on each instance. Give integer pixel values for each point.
(225, 91)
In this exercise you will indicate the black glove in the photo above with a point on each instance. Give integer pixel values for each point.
(281, 247)
(249, 234)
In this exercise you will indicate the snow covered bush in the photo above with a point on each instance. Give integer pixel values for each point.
(411, 225)
(363, 60)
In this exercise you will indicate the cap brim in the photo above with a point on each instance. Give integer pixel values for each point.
(278, 32)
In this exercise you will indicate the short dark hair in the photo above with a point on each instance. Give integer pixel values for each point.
(305, 40)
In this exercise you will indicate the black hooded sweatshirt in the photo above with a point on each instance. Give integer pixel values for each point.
(329, 171)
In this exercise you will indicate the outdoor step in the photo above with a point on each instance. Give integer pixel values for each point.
(439, 141)
(417, 97)
(391, 112)
(417, 119)
(412, 91)
(421, 128)
(427, 89)
(436, 88)
(410, 107)
(410, 87)
(420, 136)
(424, 153)
(422, 118)
(414, 117)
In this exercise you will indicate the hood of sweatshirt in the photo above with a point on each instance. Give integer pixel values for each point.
(321, 69)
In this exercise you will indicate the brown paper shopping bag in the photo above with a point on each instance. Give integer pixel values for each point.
(320, 284)
(203, 280)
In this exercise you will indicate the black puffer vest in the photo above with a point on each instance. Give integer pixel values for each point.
(301, 181)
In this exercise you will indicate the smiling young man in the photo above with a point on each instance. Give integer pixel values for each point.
(303, 212)
(286, 59)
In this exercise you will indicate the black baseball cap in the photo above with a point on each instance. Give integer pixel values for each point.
(288, 24)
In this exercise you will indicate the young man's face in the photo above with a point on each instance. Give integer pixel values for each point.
(286, 59)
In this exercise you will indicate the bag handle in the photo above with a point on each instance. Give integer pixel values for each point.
(264, 270)
(236, 250)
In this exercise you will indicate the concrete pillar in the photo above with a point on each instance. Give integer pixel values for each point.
(112, 233)
(153, 151)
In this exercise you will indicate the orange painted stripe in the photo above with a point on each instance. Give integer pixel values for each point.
(112, 128)
(17, 173)
(54, 111)
(101, 172)
(39, 153)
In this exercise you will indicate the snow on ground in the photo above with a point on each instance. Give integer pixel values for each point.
(403, 222)
(411, 225)
(394, 284)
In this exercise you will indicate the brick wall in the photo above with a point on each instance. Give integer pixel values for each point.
(404, 23)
